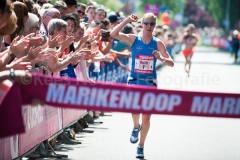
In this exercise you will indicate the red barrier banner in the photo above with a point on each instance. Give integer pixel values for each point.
(40, 124)
(215, 42)
(122, 98)
(9, 148)
(71, 115)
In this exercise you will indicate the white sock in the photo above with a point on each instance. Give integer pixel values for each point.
(139, 146)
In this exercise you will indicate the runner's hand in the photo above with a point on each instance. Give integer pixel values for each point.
(156, 54)
(133, 18)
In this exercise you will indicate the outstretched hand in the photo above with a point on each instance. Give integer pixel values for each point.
(19, 45)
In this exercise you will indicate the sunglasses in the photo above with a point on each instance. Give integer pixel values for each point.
(80, 12)
(149, 23)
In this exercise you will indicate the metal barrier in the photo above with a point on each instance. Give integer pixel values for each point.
(41, 123)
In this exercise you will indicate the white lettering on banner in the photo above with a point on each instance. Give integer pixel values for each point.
(93, 96)
(161, 102)
(147, 102)
(35, 116)
(228, 105)
(55, 93)
(70, 96)
(102, 97)
(125, 99)
(14, 146)
(136, 98)
(114, 98)
(83, 94)
(200, 105)
(216, 105)
(175, 100)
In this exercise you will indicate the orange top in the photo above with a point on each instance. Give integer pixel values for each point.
(165, 18)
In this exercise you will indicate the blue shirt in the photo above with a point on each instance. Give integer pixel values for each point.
(118, 45)
(143, 61)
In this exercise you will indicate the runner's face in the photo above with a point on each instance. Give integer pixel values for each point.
(147, 24)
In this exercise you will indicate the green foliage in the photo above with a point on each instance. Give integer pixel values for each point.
(111, 4)
(83, 1)
(217, 9)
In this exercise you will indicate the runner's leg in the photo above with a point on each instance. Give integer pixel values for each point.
(145, 128)
(189, 62)
(135, 118)
(186, 63)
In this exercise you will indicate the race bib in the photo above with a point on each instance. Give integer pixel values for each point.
(144, 64)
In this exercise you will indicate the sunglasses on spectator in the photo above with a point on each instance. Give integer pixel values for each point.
(149, 23)
(80, 12)
(41, 3)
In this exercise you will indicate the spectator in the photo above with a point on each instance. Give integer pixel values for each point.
(71, 6)
(29, 4)
(61, 6)
(169, 43)
(100, 15)
(22, 16)
(71, 21)
(81, 10)
(114, 20)
(49, 14)
(32, 24)
(47, 6)
(235, 44)
(91, 11)
(56, 27)
(41, 2)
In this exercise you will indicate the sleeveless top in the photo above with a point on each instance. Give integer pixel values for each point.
(143, 61)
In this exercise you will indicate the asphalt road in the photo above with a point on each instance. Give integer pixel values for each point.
(173, 137)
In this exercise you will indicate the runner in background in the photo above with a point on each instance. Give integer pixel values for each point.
(146, 50)
(190, 41)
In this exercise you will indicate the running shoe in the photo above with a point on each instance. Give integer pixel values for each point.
(134, 136)
(140, 153)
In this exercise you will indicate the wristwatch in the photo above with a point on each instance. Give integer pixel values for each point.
(12, 73)
(11, 54)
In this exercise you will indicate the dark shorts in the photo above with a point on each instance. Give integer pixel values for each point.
(144, 82)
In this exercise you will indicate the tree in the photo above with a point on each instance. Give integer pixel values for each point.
(197, 15)
(217, 9)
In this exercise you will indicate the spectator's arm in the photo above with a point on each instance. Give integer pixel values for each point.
(106, 49)
(5, 59)
(85, 71)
